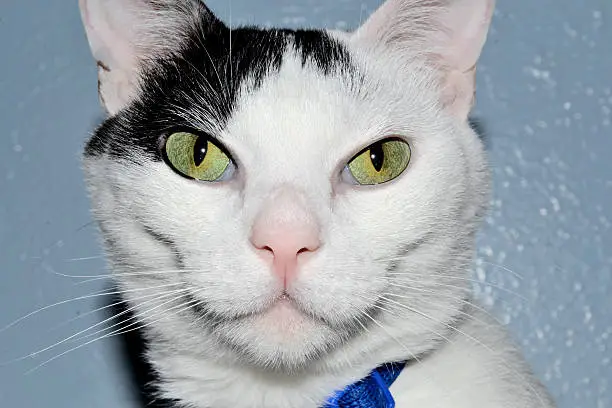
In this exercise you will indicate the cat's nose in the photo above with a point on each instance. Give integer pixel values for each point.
(285, 232)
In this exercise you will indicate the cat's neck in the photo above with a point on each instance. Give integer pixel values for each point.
(197, 376)
(455, 370)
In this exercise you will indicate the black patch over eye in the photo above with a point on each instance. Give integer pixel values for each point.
(200, 148)
(377, 155)
(204, 58)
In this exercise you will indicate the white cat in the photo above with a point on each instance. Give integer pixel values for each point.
(289, 210)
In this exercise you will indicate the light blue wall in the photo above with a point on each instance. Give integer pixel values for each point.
(545, 101)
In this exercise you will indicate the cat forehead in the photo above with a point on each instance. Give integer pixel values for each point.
(290, 98)
(298, 106)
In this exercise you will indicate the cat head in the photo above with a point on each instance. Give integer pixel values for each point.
(278, 195)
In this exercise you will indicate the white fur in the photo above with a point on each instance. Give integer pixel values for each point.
(297, 131)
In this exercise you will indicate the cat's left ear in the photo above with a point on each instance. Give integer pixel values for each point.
(447, 34)
(126, 35)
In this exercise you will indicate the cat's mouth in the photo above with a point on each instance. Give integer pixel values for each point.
(283, 297)
(290, 307)
(278, 309)
(284, 330)
(283, 310)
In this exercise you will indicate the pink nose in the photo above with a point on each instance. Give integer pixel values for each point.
(285, 230)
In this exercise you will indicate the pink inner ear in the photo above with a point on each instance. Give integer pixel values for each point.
(467, 23)
(124, 33)
(110, 33)
(115, 31)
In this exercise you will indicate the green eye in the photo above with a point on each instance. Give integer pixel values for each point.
(196, 156)
(381, 162)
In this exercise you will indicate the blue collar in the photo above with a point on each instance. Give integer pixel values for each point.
(370, 392)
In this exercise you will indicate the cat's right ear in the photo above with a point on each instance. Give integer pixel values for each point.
(125, 34)
(447, 34)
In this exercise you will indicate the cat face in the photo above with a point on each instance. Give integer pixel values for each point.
(279, 195)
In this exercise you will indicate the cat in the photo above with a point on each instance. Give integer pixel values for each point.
(286, 211)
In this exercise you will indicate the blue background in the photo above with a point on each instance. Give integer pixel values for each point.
(544, 102)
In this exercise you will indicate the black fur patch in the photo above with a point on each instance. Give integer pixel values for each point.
(204, 79)
(132, 345)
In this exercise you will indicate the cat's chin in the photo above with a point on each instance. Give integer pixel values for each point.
(280, 337)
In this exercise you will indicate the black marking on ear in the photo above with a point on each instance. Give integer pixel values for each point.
(203, 79)
(103, 66)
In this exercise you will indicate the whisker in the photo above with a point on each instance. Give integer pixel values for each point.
(447, 285)
(42, 350)
(136, 316)
(414, 356)
(499, 266)
(85, 258)
(231, 64)
(91, 296)
(138, 273)
(392, 314)
(465, 302)
(115, 333)
(515, 274)
(459, 299)
(99, 309)
(472, 338)
(124, 274)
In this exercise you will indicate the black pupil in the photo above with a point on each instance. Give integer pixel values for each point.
(199, 150)
(377, 155)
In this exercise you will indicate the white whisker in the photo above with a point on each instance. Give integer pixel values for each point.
(114, 333)
(42, 350)
(95, 295)
(472, 338)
